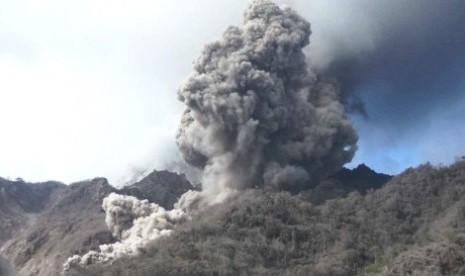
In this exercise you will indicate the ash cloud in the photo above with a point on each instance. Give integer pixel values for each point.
(135, 223)
(256, 116)
(399, 64)
(413, 50)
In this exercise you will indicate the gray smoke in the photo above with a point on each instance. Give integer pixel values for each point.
(255, 114)
(256, 117)
(135, 223)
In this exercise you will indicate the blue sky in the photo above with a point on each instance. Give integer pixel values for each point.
(414, 94)
(396, 136)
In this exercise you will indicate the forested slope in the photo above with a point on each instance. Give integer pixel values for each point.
(414, 225)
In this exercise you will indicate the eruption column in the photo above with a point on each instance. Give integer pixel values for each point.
(255, 115)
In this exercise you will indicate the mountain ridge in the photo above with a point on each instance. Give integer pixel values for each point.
(68, 219)
(64, 220)
(412, 225)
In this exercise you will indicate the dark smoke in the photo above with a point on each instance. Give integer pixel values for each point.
(413, 56)
(255, 114)
(408, 74)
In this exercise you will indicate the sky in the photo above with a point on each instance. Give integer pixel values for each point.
(88, 87)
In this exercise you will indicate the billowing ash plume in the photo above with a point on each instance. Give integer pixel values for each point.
(135, 223)
(255, 117)
(255, 114)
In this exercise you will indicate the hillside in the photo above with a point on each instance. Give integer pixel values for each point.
(73, 222)
(360, 179)
(161, 187)
(20, 201)
(43, 224)
(414, 225)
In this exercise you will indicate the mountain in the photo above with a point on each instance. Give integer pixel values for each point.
(360, 179)
(356, 222)
(412, 225)
(73, 222)
(161, 187)
(42, 224)
(20, 201)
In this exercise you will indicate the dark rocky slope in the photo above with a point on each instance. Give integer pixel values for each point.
(162, 187)
(19, 201)
(360, 179)
(73, 223)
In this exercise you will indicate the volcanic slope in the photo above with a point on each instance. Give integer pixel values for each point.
(414, 225)
(43, 224)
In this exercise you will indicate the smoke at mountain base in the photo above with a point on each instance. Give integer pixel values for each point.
(135, 223)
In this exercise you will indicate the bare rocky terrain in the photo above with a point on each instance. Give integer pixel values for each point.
(161, 187)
